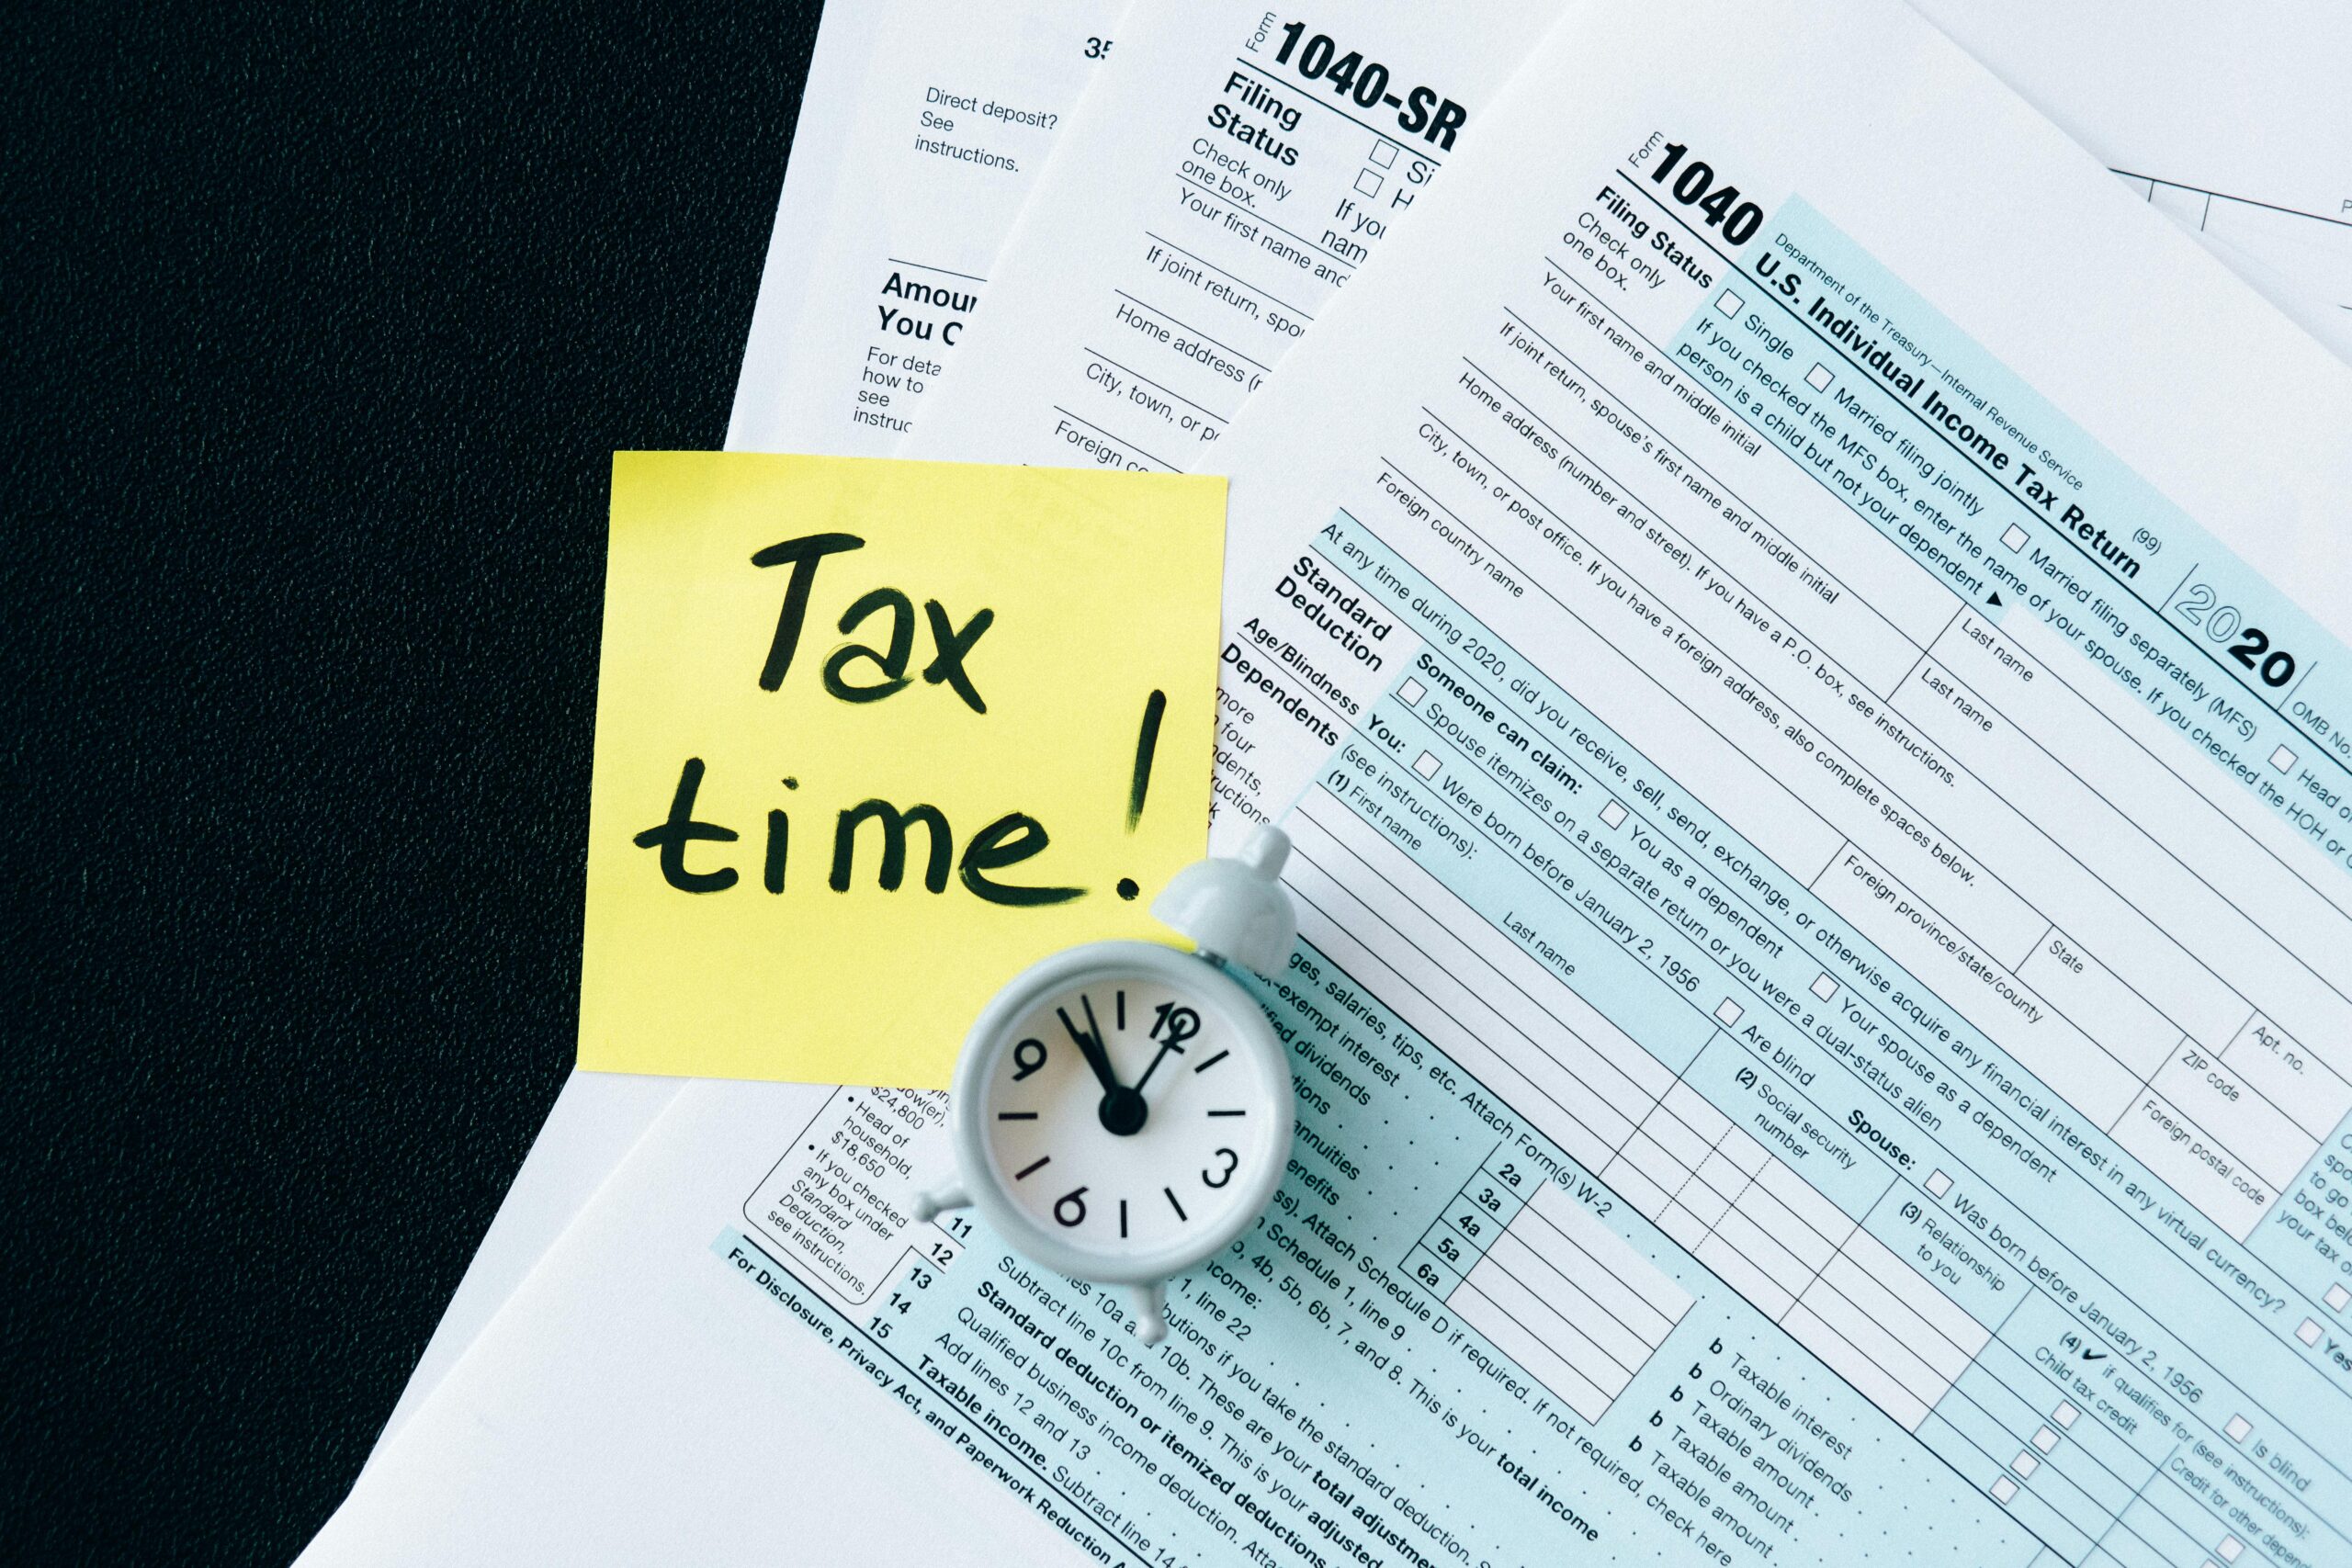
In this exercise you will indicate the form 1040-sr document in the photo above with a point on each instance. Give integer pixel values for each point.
(1227, 172)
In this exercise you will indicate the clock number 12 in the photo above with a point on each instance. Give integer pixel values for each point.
(1175, 1024)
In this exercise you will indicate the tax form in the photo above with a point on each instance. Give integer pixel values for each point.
(2233, 120)
(1231, 170)
(923, 126)
(1798, 1061)
(1755, 684)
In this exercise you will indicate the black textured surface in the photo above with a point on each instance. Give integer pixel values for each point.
(321, 325)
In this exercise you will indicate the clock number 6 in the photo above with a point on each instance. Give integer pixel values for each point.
(1222, 1177)
(1069, 1209)
(1027, 1057)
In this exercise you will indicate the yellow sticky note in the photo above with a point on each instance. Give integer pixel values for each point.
(873, 736)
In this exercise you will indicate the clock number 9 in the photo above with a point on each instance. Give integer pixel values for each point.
(1027, 1057)
(1232, 1161)
(1069, 1209)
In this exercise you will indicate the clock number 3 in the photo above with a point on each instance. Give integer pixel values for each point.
(1069, 1209)
(1222, 1177)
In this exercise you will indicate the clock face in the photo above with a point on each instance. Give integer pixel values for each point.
(1124, 1114)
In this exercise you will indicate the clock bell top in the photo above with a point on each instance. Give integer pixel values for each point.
(1236, 908)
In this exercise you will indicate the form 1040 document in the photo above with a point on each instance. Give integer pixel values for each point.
(1226, 173)
(1736, 608)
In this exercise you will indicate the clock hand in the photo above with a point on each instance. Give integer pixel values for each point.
(1092, 1026)
(1154, 1067)
(1090, 1047)
(1123, 1111)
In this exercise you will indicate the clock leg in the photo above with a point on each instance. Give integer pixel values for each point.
(946, 1195)
(1151, 1312)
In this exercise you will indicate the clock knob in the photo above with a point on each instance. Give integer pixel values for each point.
(1236, 908)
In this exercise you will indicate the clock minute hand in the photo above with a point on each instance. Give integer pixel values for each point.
(1154, 1067)
(1090, 1047)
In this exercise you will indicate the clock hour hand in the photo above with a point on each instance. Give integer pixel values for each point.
(1123, 1111)
(1090, 1045)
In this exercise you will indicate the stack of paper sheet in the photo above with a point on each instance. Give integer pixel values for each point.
(1794, 618)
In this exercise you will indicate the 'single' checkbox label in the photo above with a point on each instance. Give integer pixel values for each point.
(1729, 303)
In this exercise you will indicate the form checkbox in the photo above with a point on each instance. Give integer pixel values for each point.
(1613, 815)
(1819, 377)
(2004, 1489)
(1728, 1012)
(2025, 1464)
(2338, 1298)
(2014, 536)
(2282, 758)
(1426, 764)
(1729, 303)
(2238, 1428)
(2309, 1332)
(1367, 183)
(2065, 1412)
(2230, 1548)
(1939, 1184)
(2045, 1439)
(1824, 987)
(1412, 692)
(1383, 152)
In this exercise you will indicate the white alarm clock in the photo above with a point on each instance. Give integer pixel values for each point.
(1123, 1110)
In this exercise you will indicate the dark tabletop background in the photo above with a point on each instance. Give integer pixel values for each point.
(321, 325)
